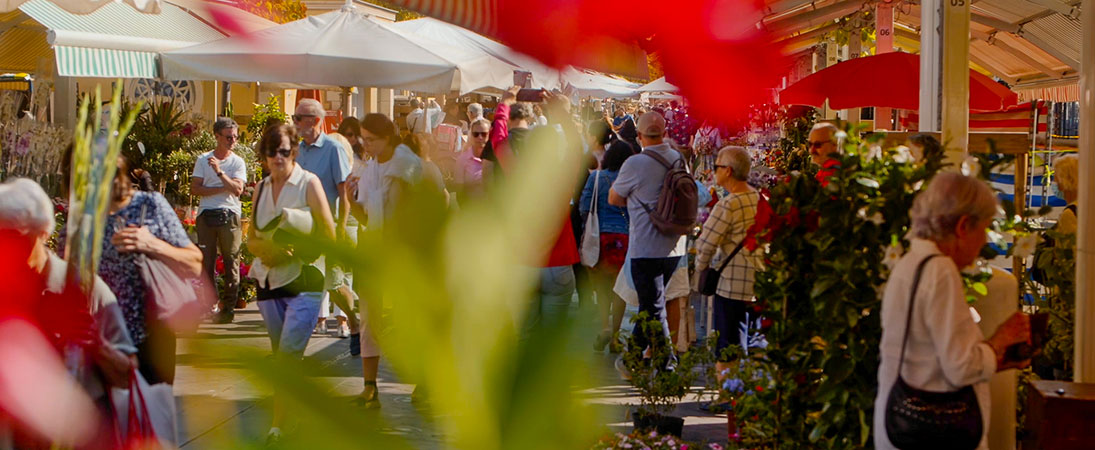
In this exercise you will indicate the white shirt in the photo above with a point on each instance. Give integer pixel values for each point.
(418, 121)
(234, 167)
(374, 191)
(946, 350)
(292, 206)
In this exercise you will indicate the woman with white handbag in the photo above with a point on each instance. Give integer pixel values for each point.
(604, 242)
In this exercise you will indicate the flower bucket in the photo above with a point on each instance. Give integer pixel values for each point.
(661, 424)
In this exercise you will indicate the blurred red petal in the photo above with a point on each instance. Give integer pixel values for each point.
(37, 391)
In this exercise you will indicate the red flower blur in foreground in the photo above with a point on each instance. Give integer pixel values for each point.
(35, 389)
(711, 49)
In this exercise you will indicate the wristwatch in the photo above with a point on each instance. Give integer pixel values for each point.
(220, 174)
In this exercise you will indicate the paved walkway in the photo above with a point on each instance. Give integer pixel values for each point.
(220, 403)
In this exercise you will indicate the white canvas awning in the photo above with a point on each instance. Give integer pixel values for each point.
(87, 6)
(113, 41)
(341, 48)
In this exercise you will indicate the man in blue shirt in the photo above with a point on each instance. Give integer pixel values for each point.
(325, 158)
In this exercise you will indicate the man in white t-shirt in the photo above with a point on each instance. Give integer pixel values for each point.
(219, 177)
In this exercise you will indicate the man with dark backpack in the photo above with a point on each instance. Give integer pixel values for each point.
(661, 199)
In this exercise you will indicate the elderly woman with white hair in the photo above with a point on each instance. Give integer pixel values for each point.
(929, 339)
(722, 236)
(39, 285)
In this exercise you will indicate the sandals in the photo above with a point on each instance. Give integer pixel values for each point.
(369, 402)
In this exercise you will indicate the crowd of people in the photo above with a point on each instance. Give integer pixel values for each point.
(335, 186)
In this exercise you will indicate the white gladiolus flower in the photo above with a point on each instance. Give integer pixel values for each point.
(1024, 246)
(971, 167)
(893, 254)
(902, 155)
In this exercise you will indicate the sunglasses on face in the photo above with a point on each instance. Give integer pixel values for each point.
(284, 152)
(301, 117)
(479, 134)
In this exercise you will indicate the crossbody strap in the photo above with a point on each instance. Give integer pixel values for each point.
(596, 190)
(912, 300)
(731, 256)
(255, 203)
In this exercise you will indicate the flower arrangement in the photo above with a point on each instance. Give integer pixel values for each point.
(650, 441)
(30, 148)
(826, 231)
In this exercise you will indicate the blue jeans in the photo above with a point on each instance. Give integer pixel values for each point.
(552, 300)
(290, 321)
(651, 276)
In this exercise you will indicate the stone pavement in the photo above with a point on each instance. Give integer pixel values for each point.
(219, 401)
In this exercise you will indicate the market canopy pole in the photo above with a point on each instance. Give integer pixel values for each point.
(956, 80)
(930, 61)
(883, 117)
(1084, 369)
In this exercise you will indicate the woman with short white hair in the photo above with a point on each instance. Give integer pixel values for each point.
(38, 282)
(929, 339)
(1066, 173)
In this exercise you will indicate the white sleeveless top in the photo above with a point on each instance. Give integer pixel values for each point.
(292, 205)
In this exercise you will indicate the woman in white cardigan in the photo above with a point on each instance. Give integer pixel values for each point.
(946, 351)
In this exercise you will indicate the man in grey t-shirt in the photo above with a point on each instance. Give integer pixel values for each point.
(219, 177)
(654, 256)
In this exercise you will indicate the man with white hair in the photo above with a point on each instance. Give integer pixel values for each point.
(822, 143)
(418, 121)
(39, 285)
(322, 156)
(475, 112)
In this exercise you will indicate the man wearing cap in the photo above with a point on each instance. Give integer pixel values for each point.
(654, 256)
(219, 177)
(322, 156)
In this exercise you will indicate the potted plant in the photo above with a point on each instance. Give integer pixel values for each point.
(661, 382)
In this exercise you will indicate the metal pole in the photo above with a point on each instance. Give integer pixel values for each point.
(1084, 371)
(930, 64)
(956, 79)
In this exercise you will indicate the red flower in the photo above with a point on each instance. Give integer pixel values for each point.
(187, 129)
(760, 389)
(813, 218)
(220, 265)
(765, 323)
(828, 169)
(244, 269)
(757, 307)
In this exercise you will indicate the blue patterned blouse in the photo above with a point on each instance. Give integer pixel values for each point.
(119, 270)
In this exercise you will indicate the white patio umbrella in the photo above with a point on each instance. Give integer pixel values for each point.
(341, 48)
(659, 85)
(87, 6)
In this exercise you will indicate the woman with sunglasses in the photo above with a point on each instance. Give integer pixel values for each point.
(290, 279)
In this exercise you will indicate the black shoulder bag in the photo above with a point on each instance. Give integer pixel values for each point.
(917, 419)
(709, 278)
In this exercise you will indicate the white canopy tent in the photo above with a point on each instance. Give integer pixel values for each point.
(659, 85)
(436, 30)
(341, 48)
(587, 83)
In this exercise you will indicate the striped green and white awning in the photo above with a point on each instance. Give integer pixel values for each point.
(107, 63)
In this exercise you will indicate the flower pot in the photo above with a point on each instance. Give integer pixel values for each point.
(661, 424)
